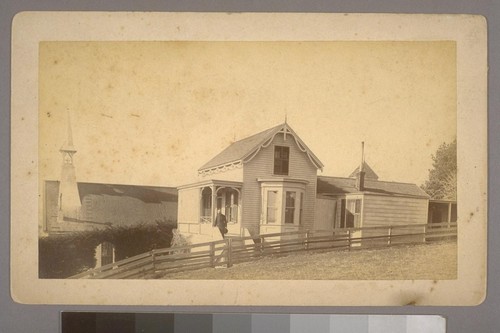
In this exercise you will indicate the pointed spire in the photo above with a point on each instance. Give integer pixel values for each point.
(70, 132)
(68, 147)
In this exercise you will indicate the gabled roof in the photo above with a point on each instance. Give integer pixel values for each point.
(244, 150)
(147, 194)
(369, 173)
(331, 186)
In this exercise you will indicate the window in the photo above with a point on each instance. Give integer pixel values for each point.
(301, 207)
(206, 205)
(281, 160)
(290, 206)
(271, 206)
(283, 203)
(350, 213)
(231, 208)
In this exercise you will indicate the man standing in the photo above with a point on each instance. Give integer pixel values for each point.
(221, 223)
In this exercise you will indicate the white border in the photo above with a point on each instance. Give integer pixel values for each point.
(468, 31)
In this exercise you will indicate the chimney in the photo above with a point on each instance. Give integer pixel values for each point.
(360, 179)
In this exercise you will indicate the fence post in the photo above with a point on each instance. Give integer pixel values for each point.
(349, 236)
(261, 245)
(306, 240)
(153, 259)
(212, 254)
(229, 250)
(389, 240)
(425, 233)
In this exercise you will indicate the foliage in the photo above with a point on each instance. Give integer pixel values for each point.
(442, 182)
(179, 240)
(61, 256)
(65, 255)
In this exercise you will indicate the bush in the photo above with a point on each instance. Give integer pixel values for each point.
(62, 256)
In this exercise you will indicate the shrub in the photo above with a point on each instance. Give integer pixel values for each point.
(62, 256)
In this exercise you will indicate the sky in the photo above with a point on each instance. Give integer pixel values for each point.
(152, 113)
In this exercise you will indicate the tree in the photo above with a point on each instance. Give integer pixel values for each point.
(442, 182)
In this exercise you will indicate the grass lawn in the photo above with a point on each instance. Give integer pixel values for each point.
(437, 261)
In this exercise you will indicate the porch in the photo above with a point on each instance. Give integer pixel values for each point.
(200, 203)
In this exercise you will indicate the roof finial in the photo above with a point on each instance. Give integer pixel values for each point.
(362, 165)
(285, 117)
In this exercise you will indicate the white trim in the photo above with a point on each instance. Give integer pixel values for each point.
(209, 182)
(221, 168)
(285, 129)
(283, 180)
(282, 187)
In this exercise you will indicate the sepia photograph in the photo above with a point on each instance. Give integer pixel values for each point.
(253, 162)
(170, 159)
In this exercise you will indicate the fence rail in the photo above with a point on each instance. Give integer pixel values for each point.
(237, 250)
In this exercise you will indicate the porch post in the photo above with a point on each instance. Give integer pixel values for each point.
(214, 203)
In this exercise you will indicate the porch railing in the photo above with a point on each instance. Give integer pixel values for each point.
(206, 219)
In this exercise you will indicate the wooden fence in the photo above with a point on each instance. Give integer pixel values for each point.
(237, 250)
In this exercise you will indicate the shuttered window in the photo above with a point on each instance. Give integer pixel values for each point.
(351, 213)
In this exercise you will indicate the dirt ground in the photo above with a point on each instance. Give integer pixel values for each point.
(436, 261)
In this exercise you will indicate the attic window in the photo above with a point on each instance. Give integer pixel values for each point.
(281, 160)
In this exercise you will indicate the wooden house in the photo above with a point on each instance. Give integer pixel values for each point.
(268, 183)
(362, 200)
(265, 183)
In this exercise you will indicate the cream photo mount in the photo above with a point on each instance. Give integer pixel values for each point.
(32, 29)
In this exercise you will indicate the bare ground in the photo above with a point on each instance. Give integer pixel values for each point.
(437, 261)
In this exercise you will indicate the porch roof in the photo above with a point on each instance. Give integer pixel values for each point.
(212, 182)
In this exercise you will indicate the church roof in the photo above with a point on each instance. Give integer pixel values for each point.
(339, 185)
(68, 145)
(369, 173)
(244, 150)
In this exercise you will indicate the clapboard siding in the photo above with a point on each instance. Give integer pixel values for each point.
(385, 210)
(325, 214)
(126, 210)
(261, 166)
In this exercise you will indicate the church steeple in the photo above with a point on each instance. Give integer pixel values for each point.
(68, 150)
(69, 197)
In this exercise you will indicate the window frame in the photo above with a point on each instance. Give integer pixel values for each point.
(351, 213)
(280, 162)
(274, 207)
(280, 205)
(290, 207)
